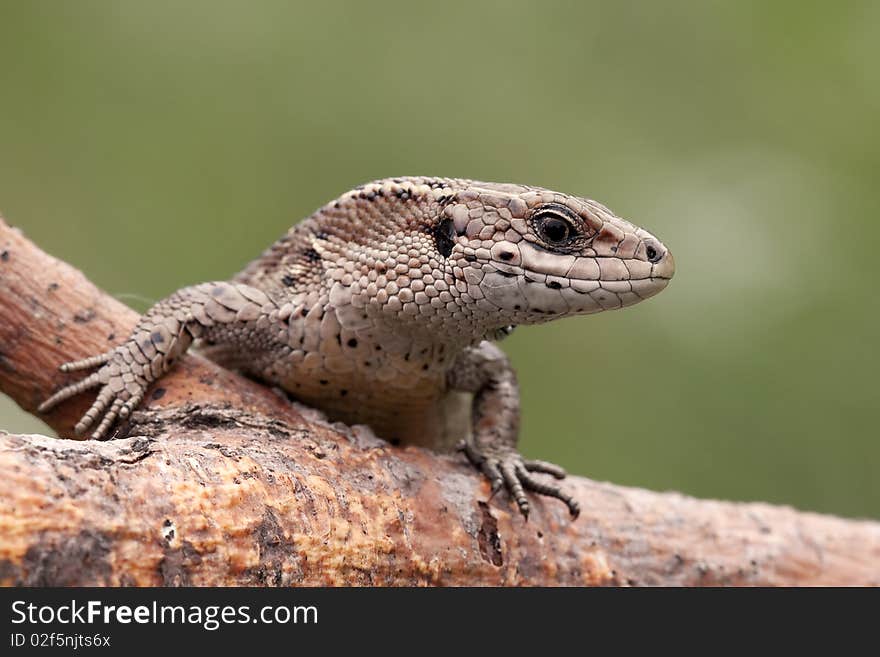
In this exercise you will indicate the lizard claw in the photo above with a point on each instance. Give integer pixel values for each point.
(122, 385)
(505, 468)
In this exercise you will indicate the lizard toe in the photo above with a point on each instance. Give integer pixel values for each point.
(548, 489)
(545, 467)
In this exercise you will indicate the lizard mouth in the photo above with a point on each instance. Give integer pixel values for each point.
(555, 279)
(578, 287)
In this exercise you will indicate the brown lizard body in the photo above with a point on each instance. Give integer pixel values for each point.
(382, 306)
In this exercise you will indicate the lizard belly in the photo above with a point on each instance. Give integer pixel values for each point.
(423, 413)
(401, 394)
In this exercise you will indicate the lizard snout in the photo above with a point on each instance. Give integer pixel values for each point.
(660, 257)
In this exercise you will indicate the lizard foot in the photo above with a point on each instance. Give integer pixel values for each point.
(506, 468)
(123, 384)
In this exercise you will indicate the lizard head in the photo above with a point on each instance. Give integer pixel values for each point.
(532, 255)
(471, 259)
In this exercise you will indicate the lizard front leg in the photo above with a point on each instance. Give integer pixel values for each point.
(485, 371)
(222, 312)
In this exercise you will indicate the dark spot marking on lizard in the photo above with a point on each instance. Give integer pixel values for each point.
(378, 347)
(352, 342)
(444, 237)
(176, 563)
(61, 559)
(488, 538)
(505, 255)
(517, 307)
(288, 280)
(554, 285)
(425, 367)
(304, 312)
(156, 337)
(111, 337)
(4, 255)
(506, 274)
(343, 392)
(85, 316)
(471, 258)
(311, 255)
(52, 287)
(323, 382)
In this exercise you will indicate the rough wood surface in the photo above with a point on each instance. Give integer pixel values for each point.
(220, 481)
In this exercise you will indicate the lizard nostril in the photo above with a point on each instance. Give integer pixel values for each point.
(653, 253)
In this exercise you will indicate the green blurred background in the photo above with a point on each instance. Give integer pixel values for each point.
(160, 144)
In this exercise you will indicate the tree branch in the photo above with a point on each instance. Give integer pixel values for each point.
(220, 481)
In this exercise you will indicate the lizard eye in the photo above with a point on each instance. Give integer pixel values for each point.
(553, 228)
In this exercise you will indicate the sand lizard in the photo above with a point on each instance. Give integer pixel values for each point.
(382, 308)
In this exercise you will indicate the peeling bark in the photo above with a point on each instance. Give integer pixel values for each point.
(221, 481)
